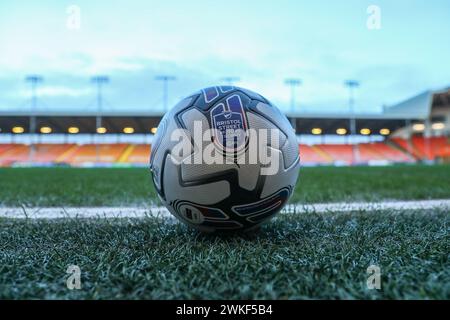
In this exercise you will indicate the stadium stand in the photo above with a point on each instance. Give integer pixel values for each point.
(401, 127)
(4, 147)
(395, 151)
(390, 153)
(444, 153)
(91, 153)
(310, 155)
(339, 153)
(42, 153)
(423, 148)
(408, 147)
(136, 154)
(430, 147)
(367, 153)
(127, 135)
(15, 153)
(48, 153)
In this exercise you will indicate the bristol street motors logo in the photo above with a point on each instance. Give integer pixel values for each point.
(229, 125)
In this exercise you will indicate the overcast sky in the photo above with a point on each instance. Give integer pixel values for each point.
(263, 42)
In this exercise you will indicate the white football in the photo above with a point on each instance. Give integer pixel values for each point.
(224, 159)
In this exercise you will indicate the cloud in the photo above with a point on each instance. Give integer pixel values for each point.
(200, 42)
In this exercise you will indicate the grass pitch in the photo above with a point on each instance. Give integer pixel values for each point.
(119, 187)
(294, 256)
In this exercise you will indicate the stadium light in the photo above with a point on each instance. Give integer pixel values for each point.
(99, 80)
(165, 79)
(101, 130)
(293, 82)
(365, 131)
(352, 85)
(341, 131)
(438, 126)
(418, 127)
(316, 131)
(73, 130)
(34, 80)
(18, 130)
(153, 130)
(128, 130)
(46, 130)
(385, 131)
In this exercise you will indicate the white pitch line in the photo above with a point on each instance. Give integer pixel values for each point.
(140, 212)
(370, 206)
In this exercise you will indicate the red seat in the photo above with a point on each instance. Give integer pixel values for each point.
(309, 155)
(107, 153)
(430, 147)
(382, 151)
(140, 154)
(338, 152)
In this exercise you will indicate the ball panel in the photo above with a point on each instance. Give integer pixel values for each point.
(204, 217)
(290, 152)
(205, 194)
(198, 172)
(284, 177)
(189, 117)
(261, 210)
(278, 118)
(290, 148)
(163, 144)
(253, 95)
(257, 122)
(248, 175)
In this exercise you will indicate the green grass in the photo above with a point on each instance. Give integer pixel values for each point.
(294, 256)
(115, 187)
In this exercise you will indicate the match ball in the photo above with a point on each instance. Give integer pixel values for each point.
(224, 159)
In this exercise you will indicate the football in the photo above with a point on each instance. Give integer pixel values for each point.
(224, 159)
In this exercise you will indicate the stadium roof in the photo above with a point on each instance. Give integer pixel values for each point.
(418, 107)
(414, 109)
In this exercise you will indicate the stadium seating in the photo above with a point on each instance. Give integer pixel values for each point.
(430, 147)
(47, 153)
(408, 147)
(444, 153)
(342, 153)
(310, 155)
(15, 153)
(4, 147)
(136, 154)
(368, 153)
(42, 153)
(381, 151)
(91, 153)
(394, 150)
(423, 148)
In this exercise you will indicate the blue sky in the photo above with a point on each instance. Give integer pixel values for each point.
(263, 42)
